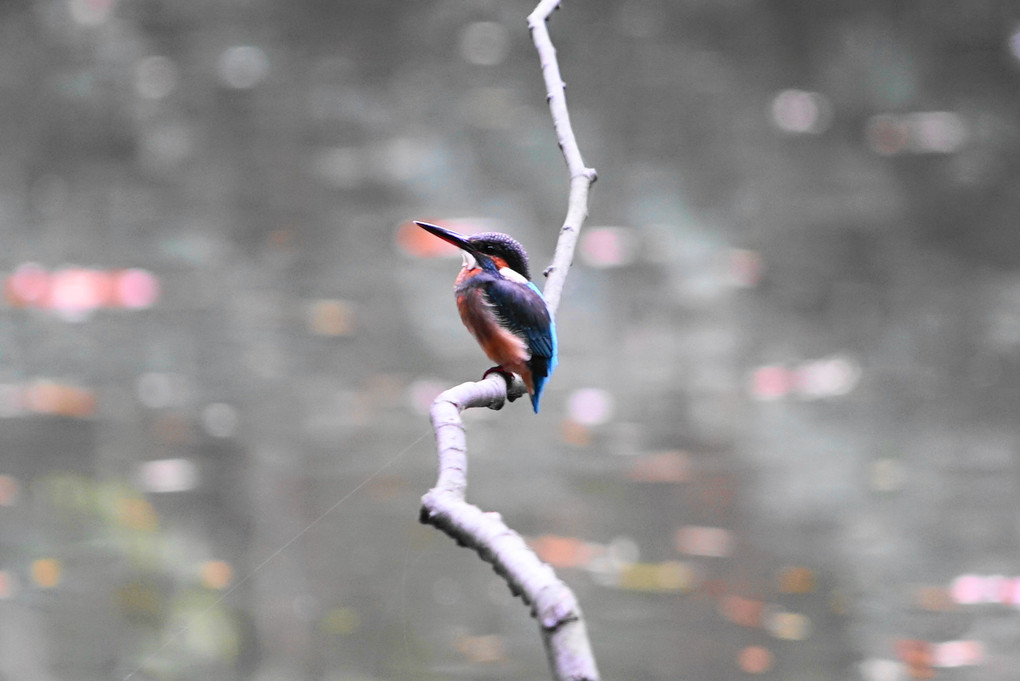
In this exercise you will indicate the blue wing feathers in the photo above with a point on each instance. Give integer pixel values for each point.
(522, 310)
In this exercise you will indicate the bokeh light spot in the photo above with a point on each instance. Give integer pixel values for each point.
(49, 397)
(242, 67)
(1014, 44)
(575, 434)
(416, 242)
(76, 293)
(770, 383)
(168, 475)
(46, 572)
(488, 649)
(755, 660)
(950, 654)
(924, 132)
(886, 135)
(918, 657)
(563, 552)
(330, 318)
(485, 43)
(673, 575)
(623, 550)
(742, 611)
(672, 467)
(716, 542)
(90, 12)
(590, 406)
(797, 579)
(136, 289)
(28, 284)
(666, 577)
(937, 132)
(829, 377)
(10, 490)
(422, 392)
(217, 574)
(968, 589)
(137, 514)
(341, 621)
(607, 247)
(933, 598)
(800, 112)
(878, 669)
(8, 585)
(788, 626)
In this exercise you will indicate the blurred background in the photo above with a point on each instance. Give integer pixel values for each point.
(782, 440)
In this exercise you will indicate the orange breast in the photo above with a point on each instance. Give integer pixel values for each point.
(500, 345)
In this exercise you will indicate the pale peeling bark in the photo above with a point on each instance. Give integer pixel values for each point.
(552, 602)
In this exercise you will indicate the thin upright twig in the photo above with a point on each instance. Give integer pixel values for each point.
(581, 176)
(552, 602)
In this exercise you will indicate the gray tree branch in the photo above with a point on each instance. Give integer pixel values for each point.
(581, 176)
(552, 602)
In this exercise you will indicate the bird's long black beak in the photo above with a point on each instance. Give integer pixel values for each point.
(455, 238)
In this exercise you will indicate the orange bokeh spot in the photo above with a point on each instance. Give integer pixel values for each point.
(918, 656)
(217, 574)
(46, 572)
(7, 584)
(744, 612)
(137, 514)
(29, 284)
(576, 434)
(797, 580)
(661, 467)
(481, 649)
(330, 318)
(416, 242)
(9, 490)
(755, 660)
(568, 552)
(47, 397)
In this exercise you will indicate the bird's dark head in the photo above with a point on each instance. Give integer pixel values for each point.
(501, 250)
(504, 247)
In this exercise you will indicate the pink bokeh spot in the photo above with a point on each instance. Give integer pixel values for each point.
(29, 284)
(137, 289)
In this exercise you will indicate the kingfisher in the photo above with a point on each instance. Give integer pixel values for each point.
(502, 308)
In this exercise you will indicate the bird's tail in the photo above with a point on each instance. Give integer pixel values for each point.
(536, 394)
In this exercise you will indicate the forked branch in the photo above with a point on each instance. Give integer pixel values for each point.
(552, 602)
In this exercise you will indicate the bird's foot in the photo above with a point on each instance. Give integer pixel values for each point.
(508, 376)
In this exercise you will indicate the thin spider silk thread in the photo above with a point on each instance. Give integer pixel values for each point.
(192, 621)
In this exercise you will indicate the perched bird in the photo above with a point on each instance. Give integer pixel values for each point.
(502, 309)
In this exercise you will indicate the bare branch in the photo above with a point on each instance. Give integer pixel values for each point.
(552, 603)
(581, 176)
